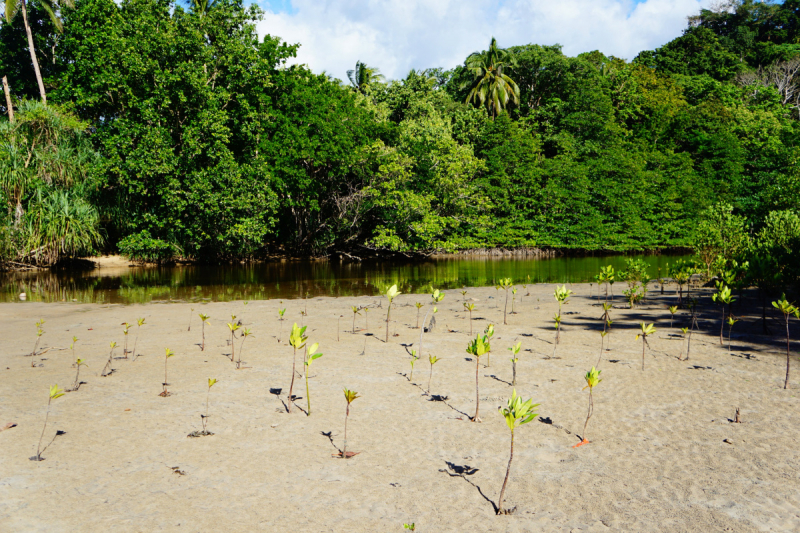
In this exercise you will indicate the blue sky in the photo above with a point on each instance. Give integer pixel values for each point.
(398, 35)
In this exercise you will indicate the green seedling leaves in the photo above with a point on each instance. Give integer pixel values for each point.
(212, 382)
(592, 378)
(297, 338)
(169, 353)
(392, 293)
(350, 396)
(55, 392)
(518, 412)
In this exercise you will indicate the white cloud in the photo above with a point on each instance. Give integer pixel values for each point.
(398, 35)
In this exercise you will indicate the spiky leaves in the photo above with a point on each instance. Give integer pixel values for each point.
(492, 88)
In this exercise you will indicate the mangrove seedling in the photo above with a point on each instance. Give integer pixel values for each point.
(366, 319)
(557, 319)
(723, 297)
(298, 340)
(692, 323)
(418, 305)
(191, 312)
(203, 321)
(107, 370)
(788, 310)
(685, 332)
(55, 392)
(469, 307)
(606, 316)
(660, 280)
(432, 359)
(514, 360)
(139, 323)
(731, 321)
(350, 397)
(126, 327)
(477, 348)
(391, 294)
(561, 295)
(78, 364)
(311, 355)
(246, 333)
(72, 346)
(513, 300)
(505, 284)
(233, 327)
(672, 310)
(280, 318)
(464, 295)
(592, 378)
(39, 333)
(516, 413)
(437, 297)
(204, 418)
(413, 360)
(488, 333)
(356, 311)
(647, 329)
(168, 353)
(410, 527)
(606, 277)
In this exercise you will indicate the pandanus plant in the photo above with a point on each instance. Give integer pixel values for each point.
(391, 294)
(469, 307)
(78, 364)
(204, 418)
(356, 311)
(139, 323)
(418, 305)
(477, 348)
(647, 329)
(788, 309)
(672, 310)
(55, 392)
(514, 360)
(311, 356)
(437, 297)
(349, 396)
(167, 354)
(203, 321)
(432, 359)
(517, 413)
(107, 370)
(298, 340)
(505, 284)
(592, 378)
(723, 297)
(233, 327)
(561, 294)
(125, 328)
(39, 333)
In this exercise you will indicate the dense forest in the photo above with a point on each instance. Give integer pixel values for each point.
(166, 130)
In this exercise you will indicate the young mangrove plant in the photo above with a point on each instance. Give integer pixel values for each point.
(788, 309)
(298, 340)
(692, 305)
(366, 320)
(246, 333)
(203, 321)
(731, 321)
(233, 327)
(680, 274)
(107, 370)
(723, 297)
(437, 297)
(516, 413)
(672, 310)
(418, 305)
(470, 307)
(488, 333)
(606, 316)
(561, 295)
(356, 311)
(191, 312)
(72, 346)
(391, 294)
(505, 284)
(685, 332)
(125, 328)
(602, 340)
(592, 378)
(39, 333)
(606, 277)
(513, 300)
(647, 329)
(514, 360)
(349, 396)
(281, 312)
(77, 384)
(168, 353)
(55, 392)
(311, 356)
(432, 359)
(463, 296)
(413, 360)
(204, 418)
(139, 323)
(477, 348)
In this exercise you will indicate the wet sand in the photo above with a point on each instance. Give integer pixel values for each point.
(664, 453)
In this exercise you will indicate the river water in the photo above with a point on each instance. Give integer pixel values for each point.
(299, 279)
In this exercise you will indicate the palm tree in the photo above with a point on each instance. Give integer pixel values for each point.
(202, 7)
(50, 7)
(362, 76)
(491, 87)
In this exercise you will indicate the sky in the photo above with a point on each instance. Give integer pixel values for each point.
(399, 35)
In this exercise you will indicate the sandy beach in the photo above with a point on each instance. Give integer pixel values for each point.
(664, 454)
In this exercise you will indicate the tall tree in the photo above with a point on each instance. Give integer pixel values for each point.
(362, 76)
(491, 87)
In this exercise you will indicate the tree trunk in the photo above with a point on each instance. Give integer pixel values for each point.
(505, 481)
(9, 106)
(33, 52)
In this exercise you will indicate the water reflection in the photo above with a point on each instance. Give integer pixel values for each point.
(296, 279)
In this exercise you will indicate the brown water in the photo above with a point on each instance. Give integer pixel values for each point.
(298, 279)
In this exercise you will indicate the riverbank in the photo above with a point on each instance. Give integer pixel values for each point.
(664, 452)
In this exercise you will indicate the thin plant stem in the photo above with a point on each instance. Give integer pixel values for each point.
(291, 387)
(477, 396)
(39, 447)
(505, 481)
(346, 416)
